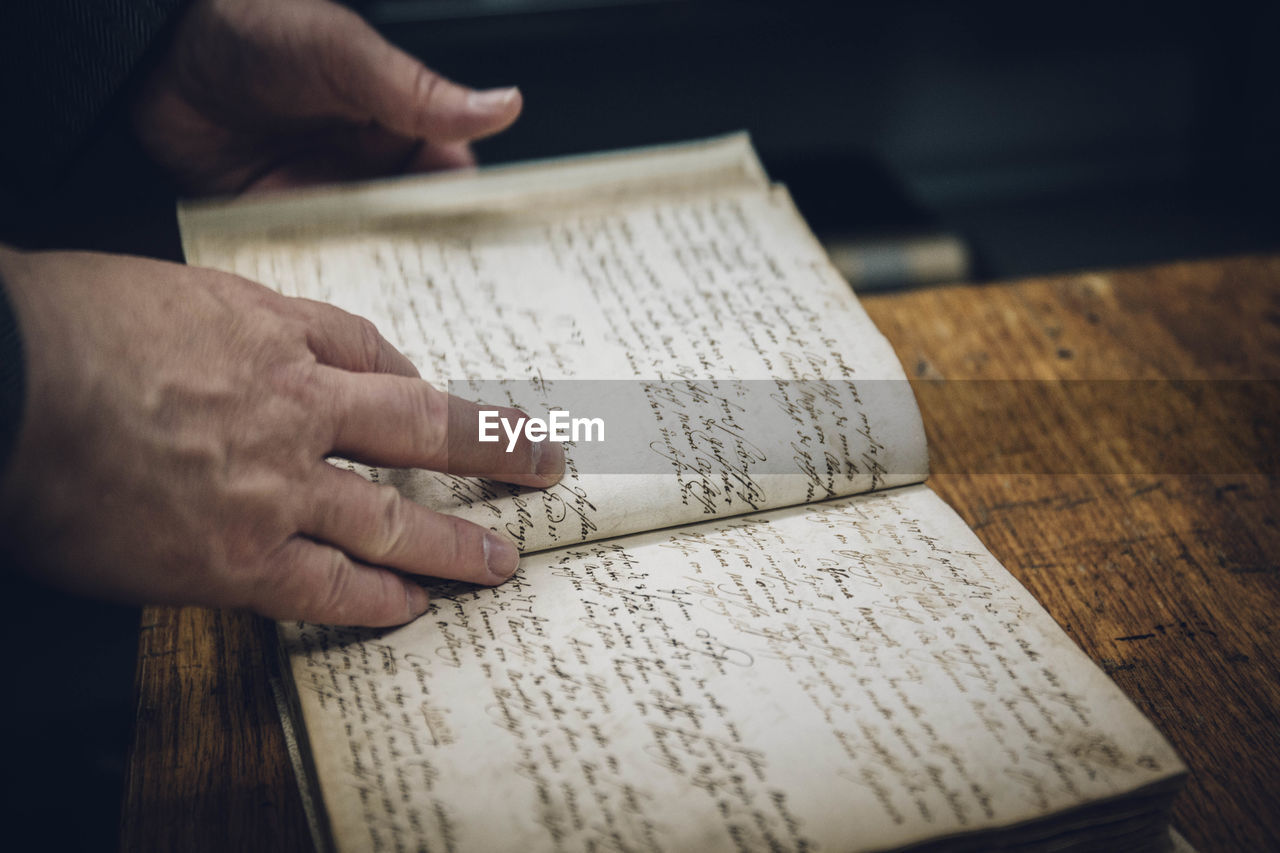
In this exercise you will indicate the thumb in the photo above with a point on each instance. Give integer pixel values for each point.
(372, 79)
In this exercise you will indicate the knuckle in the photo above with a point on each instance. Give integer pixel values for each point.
(285, 357)
(331, 598)
(294, 379)
(250, 549)
(425, 89)
(368, 342)
(355, 596)
(302, 411)
(273, 584)
(292, 331)
(430, 411)
(392, 524)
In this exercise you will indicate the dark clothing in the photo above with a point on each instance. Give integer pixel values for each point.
(64, 66)
(69, 177)
(63, 63)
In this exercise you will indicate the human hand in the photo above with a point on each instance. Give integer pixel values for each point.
(258, 94)
(174, 440)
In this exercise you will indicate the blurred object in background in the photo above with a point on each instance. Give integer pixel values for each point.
(880, 263)
(877, 235)
(1047, 137)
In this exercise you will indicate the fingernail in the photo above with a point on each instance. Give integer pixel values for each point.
(500, 557)
(492, 100)
(548, 460)
(417, 598)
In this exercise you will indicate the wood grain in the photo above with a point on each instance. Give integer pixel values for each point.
(208, 768)
(1168, 580)
(1156, 547)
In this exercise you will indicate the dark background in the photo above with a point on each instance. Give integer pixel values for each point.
(1048, 137)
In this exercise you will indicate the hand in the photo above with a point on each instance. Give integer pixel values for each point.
(255, 94)
(174, 440)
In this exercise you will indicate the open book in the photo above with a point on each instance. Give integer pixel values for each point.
(744, 625)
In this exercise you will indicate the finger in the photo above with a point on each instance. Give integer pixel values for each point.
(372, 79)
(355, 153)
(341, 339)
(345, 153)
(388, 420)
(318, 583)
(373, 151)
(376, 524)
(436, 158)
(284, 177)
(308, 170)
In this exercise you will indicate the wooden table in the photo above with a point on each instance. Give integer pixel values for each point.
(1143, 515)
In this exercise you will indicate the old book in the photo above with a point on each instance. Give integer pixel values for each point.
(741, 622)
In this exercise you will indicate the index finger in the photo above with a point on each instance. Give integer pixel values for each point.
(390, 420)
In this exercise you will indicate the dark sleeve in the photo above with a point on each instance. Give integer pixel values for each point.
(61, 64)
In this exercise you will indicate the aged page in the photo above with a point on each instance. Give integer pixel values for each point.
(856, 674)
(674, 295)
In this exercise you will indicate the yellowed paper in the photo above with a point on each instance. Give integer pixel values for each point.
(848, 674)
(672, 266)
(859, 674)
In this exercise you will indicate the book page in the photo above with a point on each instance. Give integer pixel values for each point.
(855, 674)
(674, 295)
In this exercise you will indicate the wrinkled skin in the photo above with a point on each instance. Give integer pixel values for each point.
(257, 95)
(177, 420)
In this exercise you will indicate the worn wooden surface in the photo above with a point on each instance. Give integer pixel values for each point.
(1169, 580)
(1142, 515)
(208, 768)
